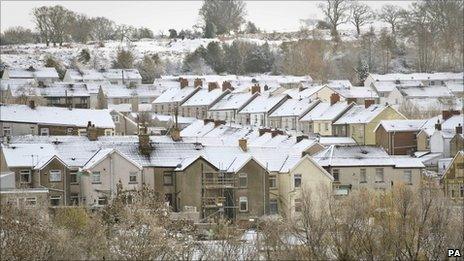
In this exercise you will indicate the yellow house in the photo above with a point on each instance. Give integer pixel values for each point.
(360, 122)
(296, 176)
(453, 178)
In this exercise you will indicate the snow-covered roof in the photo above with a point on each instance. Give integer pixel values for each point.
(85, 75)
(232, 101)
(326, 141)
(203, 97)
(455, 87)
(324, 111)
(358, 92)
(117, 74)
(308, 90)
(342, 156)
(33, 73)
(167, 118)
(294, 107)
(263, 103)
(401, 125)
(432, 91)
(175, 94)
(101, 154)
(452, 122)
(127, 107)
(61, 89)
(339, 84)
(117, 91)
(56, 116)
(417, 76)
(16, 83)
(360, 114)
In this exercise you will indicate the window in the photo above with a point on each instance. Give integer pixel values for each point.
(109, 132)
(25, 176)
(243, 204)
(462, 191)
(407, 174)
(379, 175)
(167, 178)
(115, 118)
(73, 177)
(31, 201)
(273, 207)
(272, 182)
(69, 131)
(362, 176)
(74, 199)
(452, 193)
(102, 201)
(132, 177)
(242, 180)
(55, 175)
(82, 132)
(326, 126)
(44, 132)
(297, 180)
(336, 174)
(32, 129)
(298, 205)
(6, 131)
(96, 177)
(55, 200)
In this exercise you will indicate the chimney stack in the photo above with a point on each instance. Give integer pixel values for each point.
(197, 83)
(145, 147)
(226, 85)
(206, 121)
(218, 123)
(92, 132)
(334, 98)
(368, 103)
(276, 132)
(255, 88)
(32, 104)
(438, 125)
(242, 143)
(301, 137)
(212, 86)
(263, 130)
(183, 82)
(459, 129)
(175, 134)
(446, 114)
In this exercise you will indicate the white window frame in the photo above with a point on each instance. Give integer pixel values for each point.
(243, 200)
(115, 118)
(379, 171)
(362, 176)
(109, 132)
(274, 178)
(82, 132)
(96, 174)
(242, 176)
(74, 173)
(295, 178)
(6, 131)
(132, 175)
(44, 132)
(407, 176)
(53, 174)
(103, 198)
(53, 198)
(69, 131)
(25, 172)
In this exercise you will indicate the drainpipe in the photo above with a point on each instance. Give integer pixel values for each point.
(111, 177)
(65, 186)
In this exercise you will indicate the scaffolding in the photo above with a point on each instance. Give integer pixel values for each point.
(218, 195)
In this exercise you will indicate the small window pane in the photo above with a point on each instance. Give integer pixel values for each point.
(243, 180)
(96, 178)
(243, 203)
(55, 175)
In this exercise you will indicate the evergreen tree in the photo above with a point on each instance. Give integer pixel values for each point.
(209, 30)
(84, 56)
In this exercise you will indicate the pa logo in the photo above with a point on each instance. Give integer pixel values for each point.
(454, 253)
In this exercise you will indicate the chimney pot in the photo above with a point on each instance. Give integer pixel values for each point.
(206, 121)
(183, 82)
(459, 129)
(32, 104)
(212, 86)
(368, 103)
(218, 123)
(198, 82)
(226, 85)
(255, 88)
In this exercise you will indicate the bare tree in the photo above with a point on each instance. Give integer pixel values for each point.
(60, 20)
(225, 15)
(102, 29)
(42, 23)
(337, 13)
(361, 14)
(391, 14)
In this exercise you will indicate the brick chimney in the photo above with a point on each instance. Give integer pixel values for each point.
(32, 104)
(183, 82)
(145, 147)
(263, 130)
(218, 123)
(438, 125)
(334, 98)
(212, 86)
(226, 85)
(368, 103)
(301, 137)
(197, 83)
(459, 129)
(92, 132)
(206, 121)
(350, 100)
(255, 88)
(301, 88)
(242, 143)
(446, 114)
(276, 132)
(175, 134)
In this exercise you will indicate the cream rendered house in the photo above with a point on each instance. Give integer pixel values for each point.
(104, 171)
(298, 176)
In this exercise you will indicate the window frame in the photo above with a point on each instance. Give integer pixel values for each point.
(72, 174)
(336, 175)
(243, 199)
(55, 171)
(274, 178)
(94, 174)
(44, 132)
(102, 198)
(242, 176)
(407, 178)
(377, 172)
(362, 175)
(55, 198)
(298, 205)
(22, 173)
(5, 130)
(296, 177)
(273, 202)
(170, 175)
(133, 174)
